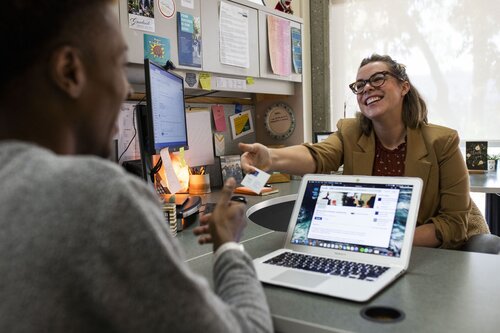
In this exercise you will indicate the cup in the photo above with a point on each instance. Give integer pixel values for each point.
(492, 165)
(199, 184)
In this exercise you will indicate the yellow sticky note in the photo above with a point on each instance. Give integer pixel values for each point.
(181, 157)
(250, 80)
(206, 81)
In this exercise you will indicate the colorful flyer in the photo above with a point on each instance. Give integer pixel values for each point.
(189, 40)
(279, 42)
(156, 49)
(296, 50)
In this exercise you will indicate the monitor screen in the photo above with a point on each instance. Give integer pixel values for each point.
(166, 109)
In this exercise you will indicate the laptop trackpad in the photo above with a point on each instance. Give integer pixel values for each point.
(300, 279)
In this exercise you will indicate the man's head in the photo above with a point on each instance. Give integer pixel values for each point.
(65, 72)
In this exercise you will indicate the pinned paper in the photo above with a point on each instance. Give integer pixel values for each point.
(156, 48)
(173, 184)
(296, 50)
(241, 124)
(206, 81)
(238, 108)
(219, 118)
(190, 79)
(250, 80)
(187, 3)
(224, 83)
(220, 145)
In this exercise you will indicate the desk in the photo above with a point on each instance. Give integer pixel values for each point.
(489, 183)
(443, 291)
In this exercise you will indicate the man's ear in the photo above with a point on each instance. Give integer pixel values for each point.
(67, 70)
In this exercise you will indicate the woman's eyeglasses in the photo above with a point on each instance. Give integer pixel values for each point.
(376, 80)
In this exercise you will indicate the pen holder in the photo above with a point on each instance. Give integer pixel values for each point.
(199, 184)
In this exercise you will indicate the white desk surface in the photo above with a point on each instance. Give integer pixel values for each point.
(487, 182)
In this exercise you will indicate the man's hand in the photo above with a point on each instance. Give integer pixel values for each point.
(227, 221)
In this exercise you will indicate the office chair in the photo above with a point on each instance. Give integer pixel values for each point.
(483, 243)
(480, 239)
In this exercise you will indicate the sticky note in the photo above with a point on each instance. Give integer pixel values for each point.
(206, 81)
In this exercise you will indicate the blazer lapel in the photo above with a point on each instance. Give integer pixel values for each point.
(363, 159)
(416, 164)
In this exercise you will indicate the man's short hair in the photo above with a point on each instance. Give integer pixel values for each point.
(33, 27)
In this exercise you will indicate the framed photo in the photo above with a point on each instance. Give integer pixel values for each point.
(320, 136)
(230, 166)
(476, 155)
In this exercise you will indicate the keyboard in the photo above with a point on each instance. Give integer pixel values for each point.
(160, 190)
(348, 269)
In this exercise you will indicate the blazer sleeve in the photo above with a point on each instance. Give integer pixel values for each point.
(454, 198)
(329, 154)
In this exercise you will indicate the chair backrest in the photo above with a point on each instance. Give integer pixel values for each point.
(484, 243)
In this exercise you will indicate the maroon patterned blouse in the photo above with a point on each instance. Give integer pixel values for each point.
(389, 162)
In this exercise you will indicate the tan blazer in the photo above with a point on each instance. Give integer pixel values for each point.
(432, 154)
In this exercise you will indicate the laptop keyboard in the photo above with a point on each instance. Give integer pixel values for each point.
(353, 270)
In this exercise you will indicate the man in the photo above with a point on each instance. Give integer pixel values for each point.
(83, 246)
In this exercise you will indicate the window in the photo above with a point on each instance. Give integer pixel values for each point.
(451, 50)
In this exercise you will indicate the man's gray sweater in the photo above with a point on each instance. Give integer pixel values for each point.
(84, 248)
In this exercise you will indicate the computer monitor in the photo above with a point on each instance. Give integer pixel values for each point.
(166, 110)
(162, 121)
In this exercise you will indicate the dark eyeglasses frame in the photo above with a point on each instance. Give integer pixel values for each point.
(370, 80)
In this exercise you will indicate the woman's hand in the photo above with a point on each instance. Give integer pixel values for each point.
(255, 155)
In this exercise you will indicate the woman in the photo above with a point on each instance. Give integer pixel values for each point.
(390, 137)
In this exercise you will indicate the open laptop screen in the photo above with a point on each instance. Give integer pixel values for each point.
(366, 218)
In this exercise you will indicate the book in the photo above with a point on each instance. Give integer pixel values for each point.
(476, 155)
(264, 191)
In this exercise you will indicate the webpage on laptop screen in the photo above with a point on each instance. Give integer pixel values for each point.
(354, 215)
(367, 218)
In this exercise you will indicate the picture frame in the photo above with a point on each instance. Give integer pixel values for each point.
(476, 155)
(320, 136)
(230, 166)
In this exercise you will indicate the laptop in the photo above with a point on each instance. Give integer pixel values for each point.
(348, 236)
